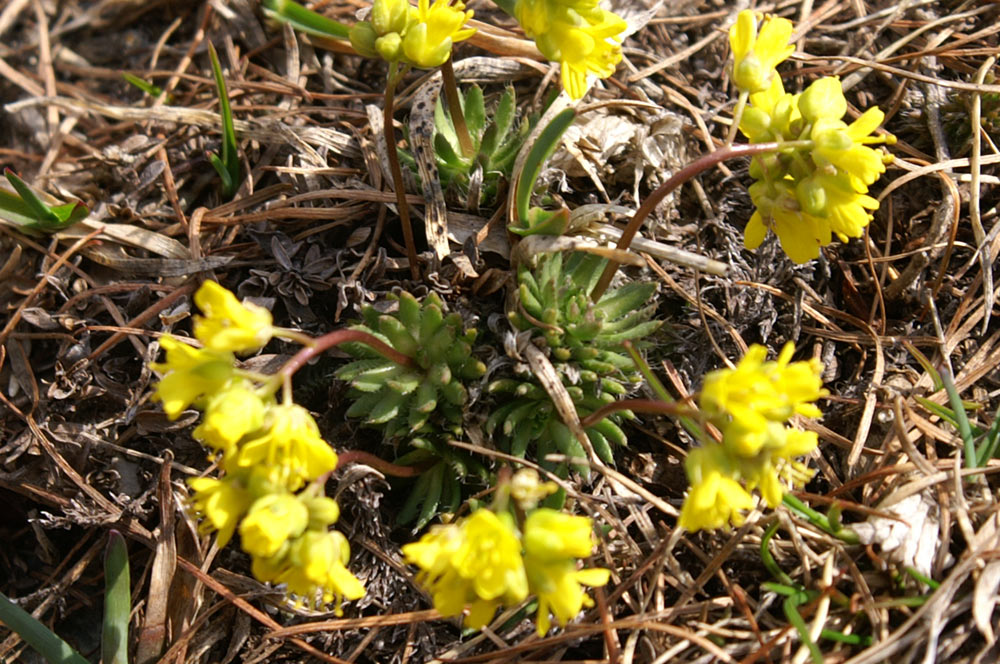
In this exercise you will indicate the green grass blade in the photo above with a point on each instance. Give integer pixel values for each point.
(117, 601)
(539, 154)
(790, 606)
(42, 212)
(988, 449)
(230, 157)
(305, 20)
(961, 420)
(147, 87)
(37, 635)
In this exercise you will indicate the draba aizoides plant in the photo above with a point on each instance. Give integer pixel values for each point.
(584, 343)
(751, 405)
(419, 407)
(271, 453)
(476, 179)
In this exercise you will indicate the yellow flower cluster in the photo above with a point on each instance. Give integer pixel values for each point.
(422, 36)
(579, 35)
(817, 186)
(751, 406)
(269, 452)
(484, 561)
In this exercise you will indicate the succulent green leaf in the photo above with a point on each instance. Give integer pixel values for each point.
(117, 601)
(475, 111)
(542, 149)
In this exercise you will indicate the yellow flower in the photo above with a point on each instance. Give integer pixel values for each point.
(222, 503)
(557, 584)
(755, 56)
(228, 325)
(844, 146)
(190, 373)
(757, 392)
(475, 562)
(550, 535)
(583, 38)
(314, 568)
(428, 39)
(835, 198)
(230, 414)
(271, 521)
(289, 446)
(715, 499)
(552, 543)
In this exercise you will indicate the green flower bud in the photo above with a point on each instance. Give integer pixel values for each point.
(811, 197)
(363, 38)
(390, 16)
(390, 46)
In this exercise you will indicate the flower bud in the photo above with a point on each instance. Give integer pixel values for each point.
(824, 98)
(363, 38)
(390, 47)
(271, 521)
(389, 16)
(812, 197)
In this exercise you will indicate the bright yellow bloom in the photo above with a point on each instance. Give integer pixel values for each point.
(271, 521)
(553, 541)
(222, 503)
(230, 414)
(583, 38)
(314, 569)
(551, 535)
(758, 392)
(290, 446)
(475, 562)
(428, 39)
(229, 325)
(715, 499)
(755, 56)
(190, 373)
(557, 584)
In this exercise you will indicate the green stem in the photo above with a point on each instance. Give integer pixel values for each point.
(397, 173)
(741, 104)
(697, 166)
(846, 535)
(455, 108)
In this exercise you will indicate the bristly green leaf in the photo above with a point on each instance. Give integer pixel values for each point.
(305, 20)
(117, 601)
(961, 421)
(24, 208)
(228, 167)
(37, 635)
(543, 148)
(475, 112)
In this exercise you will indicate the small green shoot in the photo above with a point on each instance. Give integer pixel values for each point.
(305, 20)
(228, 167)
(830, 524)
(147, 87)
(533, 221)
(961, 421)
(117, 601)
(37, 635)
(24, 208)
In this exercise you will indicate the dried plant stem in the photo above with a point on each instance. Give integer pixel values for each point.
(700, 164)
(337, 337)
(455, 108)
(397, 173)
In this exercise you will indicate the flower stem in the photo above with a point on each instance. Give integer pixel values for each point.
(397, 173)
(741, 104)
(455, 108)
(337, 337)
(381, 465)
(697, 166)
(639, 405)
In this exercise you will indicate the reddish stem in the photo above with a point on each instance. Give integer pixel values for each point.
(337, 337)
(379, 464)
(638, 405)
(700, 164)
